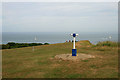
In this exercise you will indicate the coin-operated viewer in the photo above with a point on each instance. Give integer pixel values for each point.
(74, 51)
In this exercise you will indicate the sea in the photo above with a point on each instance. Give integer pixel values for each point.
(55, 37)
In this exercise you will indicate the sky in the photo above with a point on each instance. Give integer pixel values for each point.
(60, 17)
(60, 0)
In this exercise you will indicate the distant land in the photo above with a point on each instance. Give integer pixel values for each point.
(55, 37)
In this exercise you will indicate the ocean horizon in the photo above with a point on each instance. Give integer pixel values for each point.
(55, 37)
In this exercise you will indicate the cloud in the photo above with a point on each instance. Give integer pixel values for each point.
(59, 9)
(0, 19)
(63, 24)
(60, 0)
(50, 17)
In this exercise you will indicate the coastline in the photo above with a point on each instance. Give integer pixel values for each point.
(11, 45)
(54, 37)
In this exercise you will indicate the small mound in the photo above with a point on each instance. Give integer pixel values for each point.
(83, 43)
(79, 56)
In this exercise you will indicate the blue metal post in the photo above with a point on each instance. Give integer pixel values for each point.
(74, 52)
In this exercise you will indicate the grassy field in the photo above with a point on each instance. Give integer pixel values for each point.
(24, 63)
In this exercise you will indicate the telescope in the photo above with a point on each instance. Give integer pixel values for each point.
(74, 51)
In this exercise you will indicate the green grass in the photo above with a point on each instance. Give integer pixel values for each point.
(24, 63)
(85, 60)
(75, 76)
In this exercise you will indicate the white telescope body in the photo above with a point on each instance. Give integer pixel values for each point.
(73, 42)
(71, 34)
(74, 35)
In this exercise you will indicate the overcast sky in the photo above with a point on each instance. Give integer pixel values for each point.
(60, 17)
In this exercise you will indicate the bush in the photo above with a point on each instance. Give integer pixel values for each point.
(10, 45)
(107, 43)
(5, 46)
(46, 43)
(40, 44)
(0, 46)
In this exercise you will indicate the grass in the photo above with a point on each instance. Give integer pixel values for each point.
(108, 43)
(24, 63)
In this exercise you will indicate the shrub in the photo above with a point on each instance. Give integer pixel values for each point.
(46, 43)
(10, 45)
(5, 46)
(107, 43)
(40, 44)
(0, 46)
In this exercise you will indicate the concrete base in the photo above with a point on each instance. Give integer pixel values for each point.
(80, 56)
